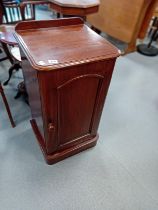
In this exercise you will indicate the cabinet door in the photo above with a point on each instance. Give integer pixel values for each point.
(72, 102)
(77, 99)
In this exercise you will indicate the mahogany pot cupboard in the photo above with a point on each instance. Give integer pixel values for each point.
(67, 70)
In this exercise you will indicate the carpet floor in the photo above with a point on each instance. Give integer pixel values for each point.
(120, 173)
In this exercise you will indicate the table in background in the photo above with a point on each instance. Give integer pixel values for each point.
(75, 8)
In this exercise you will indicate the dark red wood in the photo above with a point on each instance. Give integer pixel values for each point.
(67, 80)
(7, 106)
(76, 11)
(7, 38)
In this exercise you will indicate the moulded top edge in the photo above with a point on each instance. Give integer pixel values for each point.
(43, 24)
(69, 45)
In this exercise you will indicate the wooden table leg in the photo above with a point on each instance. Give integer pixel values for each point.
(16, 66)
(22, 92)
(7, 107)
(6, 50)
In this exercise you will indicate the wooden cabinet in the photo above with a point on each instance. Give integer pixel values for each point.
(67, 71)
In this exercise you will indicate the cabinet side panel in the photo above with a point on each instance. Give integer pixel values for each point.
(32, 87)
(102, 96)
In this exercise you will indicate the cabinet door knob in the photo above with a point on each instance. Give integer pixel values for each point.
(51, 131)
(51, 127)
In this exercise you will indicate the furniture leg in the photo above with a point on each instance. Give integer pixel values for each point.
(34, 12)
(131, 47)
(4, 58)
(6, 50)
(18, 95)
(148, 49)
(153, 24)
(15, 66)
(58, 15)
(156, 37)
(7, 107)
(22, 91)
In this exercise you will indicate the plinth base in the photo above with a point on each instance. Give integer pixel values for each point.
(145, 50)
(60, 155)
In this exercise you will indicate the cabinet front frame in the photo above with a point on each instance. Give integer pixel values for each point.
(50, 83)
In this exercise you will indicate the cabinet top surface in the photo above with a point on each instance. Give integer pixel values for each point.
(61, 43)
(76, 3)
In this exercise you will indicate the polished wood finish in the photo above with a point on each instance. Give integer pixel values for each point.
(124, 20)
(7, 34)
(67, 82)
(76, 3)
(76, 8)
(7, 38)
(13, 54)
(7, 106)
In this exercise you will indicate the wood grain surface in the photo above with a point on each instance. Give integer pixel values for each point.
(67, 97)
(123, 19)
(76, 3)
(58, 48)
